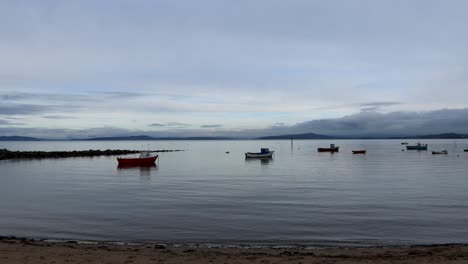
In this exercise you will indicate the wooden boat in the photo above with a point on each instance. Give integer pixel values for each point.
(264, 153)
(418, 146)
(140, 167)
(332, 148)
(144, 159)
(440, 152)
(362, 151)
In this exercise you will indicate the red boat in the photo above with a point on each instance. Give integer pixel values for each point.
(359, 151)
(144, 160)
(332, 148)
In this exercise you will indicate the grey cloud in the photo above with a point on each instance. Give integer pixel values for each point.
(211, 126)
(61, 97)
(391, 124)
(379, 104)
(370, 109)
(177, 124)
(360, 124)
(67, 133)
(226, 40)
(124, 95)
(375, 106)
(33, 109)
(58, 117)
(24, 109)
(170, 124)
(9, 123)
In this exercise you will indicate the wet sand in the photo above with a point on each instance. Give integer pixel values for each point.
(39, 252)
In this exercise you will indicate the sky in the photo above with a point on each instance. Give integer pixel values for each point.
(242, 68)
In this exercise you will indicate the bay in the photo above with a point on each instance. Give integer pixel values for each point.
(203, 195)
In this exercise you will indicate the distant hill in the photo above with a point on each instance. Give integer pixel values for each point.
(318, 136)
(299, 136)
(118, 138)
(142, 137)
(18, 138)
(288, 136)
(446, 136)
(436, 136)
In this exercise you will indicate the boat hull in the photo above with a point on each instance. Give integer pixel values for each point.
(416, 147)
(137, 161)
(359, 151)
(439, 152)
(258, 155)
(335, 149)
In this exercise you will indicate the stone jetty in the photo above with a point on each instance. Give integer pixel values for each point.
(8, 154)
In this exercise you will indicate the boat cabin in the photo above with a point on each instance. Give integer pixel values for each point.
(145, 154)
(264, 150)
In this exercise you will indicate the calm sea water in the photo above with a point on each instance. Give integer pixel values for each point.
(202, 195)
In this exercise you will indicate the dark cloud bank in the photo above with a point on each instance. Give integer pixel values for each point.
(362, 124)
(368, 123)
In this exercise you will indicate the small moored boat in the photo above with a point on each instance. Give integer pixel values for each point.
(440, 152)
(465, 150)
(144, 159)
(332, 148)
(418, 146)
(404, 143)
(362, 151)
(264, 153)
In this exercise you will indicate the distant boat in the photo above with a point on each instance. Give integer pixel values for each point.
(404, 143)
(440, 152)
(466, 150)
(332, 148)
(418, 146)
(144, 159)
(362, 151)
(264, 153)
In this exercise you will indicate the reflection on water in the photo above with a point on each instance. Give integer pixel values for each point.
(145, 170)
(263, 161)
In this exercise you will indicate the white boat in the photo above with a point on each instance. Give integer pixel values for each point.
(264, 153)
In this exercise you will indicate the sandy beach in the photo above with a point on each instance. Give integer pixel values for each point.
(41, 252)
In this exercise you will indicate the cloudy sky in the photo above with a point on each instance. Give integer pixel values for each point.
(247, 67)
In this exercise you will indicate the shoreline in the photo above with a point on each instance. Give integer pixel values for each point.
(242, 244)
(23, 250)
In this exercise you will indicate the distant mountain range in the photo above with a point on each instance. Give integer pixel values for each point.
(142, 137)
(288, 136)
(437, 136)
(318, 136)
(299, 136)
(19, 138)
